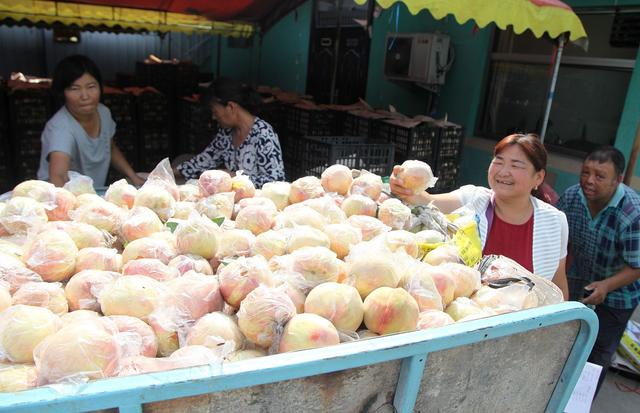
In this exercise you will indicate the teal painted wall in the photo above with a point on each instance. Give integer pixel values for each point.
(285, 51)
(459, 97)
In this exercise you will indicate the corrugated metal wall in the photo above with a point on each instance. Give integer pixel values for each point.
(33, 51)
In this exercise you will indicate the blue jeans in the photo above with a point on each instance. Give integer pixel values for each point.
(613, 322)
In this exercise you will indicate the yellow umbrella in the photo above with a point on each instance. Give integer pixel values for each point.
(552, 17)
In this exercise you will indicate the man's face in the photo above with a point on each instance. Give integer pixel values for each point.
(599, 181)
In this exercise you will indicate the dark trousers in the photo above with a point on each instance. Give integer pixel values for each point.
(613, 322)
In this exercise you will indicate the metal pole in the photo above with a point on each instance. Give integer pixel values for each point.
(552, 88)
(334, 73)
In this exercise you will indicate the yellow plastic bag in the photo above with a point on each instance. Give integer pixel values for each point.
(467, 239)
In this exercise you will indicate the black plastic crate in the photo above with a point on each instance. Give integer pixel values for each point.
(153, 110)
(449, 141)
(311, 122)
(447, 172)
(172, 79)
(273, 114)
(122, 107)
(354, 125)
(419, 142)
(317, 153)
(196, 129)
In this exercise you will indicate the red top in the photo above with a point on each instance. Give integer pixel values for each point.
(513, 241)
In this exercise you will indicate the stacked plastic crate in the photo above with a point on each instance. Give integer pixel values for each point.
(123, 112)
(154, 128)
(7, 180)
(448, 156)
(29, 111)
(196, 129)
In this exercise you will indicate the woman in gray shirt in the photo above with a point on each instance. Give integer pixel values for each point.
(79, 137)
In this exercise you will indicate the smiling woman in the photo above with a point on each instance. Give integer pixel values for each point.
(511, 220)
(79, 137)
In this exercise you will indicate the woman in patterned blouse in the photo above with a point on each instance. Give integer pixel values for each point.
(243, 142)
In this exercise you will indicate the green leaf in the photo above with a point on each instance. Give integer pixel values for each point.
(218, 221)
(172, 226)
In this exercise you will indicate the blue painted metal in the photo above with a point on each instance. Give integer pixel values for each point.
(126, 392)
(409, 383)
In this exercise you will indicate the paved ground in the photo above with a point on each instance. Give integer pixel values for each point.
(619, 394)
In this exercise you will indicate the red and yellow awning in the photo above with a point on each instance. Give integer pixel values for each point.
(540, 16)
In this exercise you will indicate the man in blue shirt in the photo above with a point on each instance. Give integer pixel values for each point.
(604, 237)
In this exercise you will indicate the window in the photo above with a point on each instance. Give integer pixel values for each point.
(590, 90)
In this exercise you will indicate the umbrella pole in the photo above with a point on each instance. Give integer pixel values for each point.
(552, 87)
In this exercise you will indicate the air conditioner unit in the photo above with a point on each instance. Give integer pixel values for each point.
(417, 57)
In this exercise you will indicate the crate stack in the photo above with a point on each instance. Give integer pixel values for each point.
(6, 171)
(123, 111)
(154, 128)
(448, 156)
(29, 111)
(196, 129)
(172, 79)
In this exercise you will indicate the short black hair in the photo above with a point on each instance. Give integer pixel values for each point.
(608, 154)
(68, 70)
(225, 89)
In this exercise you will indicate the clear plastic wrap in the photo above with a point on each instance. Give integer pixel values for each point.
(433, 319)
(83, 235)
(22, 328)
(246, 354)
(235, 243)
(17, 377)
(183, 210)
(65, 202)
(357, 204)
(78, 316)
(371, 269)
(339, 303)
(369, 226)
(304, 188)
(317, 265)
(419, 283)
(135, 336)
(43, 294)
(79, 184)
(214, 182)
(52, 254)
(242, 186)
(101, 214)
(463, 307)
(337, 178)
(390, 310)
(243, 275)
(41, 191)
(133, 295)
(515, 296)
(299, 214)
(193, 295)
(157, 198)
(98, 258)
(328, 208)
(342, 237)
(188, 262)
(11, 248)
(215, 329)
(394, 213)
(416, 176)
(307, 331)
(13, 273)
(263, 314)
(278, 192)
(368, 184)
(149, 247)
(162, 176)
(84, 288)
(150, 267)
(269, 244)
(401, 240)
(467, 279)
(121, 193)
(256, 218)
(189, 192)
(305, 236)
(21, 215)
(199, 236)
(5, 297)
(216, 206)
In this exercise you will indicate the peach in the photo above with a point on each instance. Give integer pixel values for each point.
(214, 329)
(256, 218)
(194, 355)
(516, 296)
(254, 201)
(5, 298)
(306, 236)
(467, 279)
(269, 244)
(444, 282)
(462, 307)
(357, 204)
(430, 236)
(307, 331)
(367, 184)
(136, 337)
(42, 294)
(394, 213)
(133, 295)
(299, 214)
(13, 273)
(328, 208)
(365, 334)
(198, 236)
(156, 198)
(18, 377)
(98, 258)
(84, 288)
(241, 355)
(213, 182)
(168, 327)
(369, 226)
(370, 272)
(339, 303)
(242, 186)
(150, 267)
(307, 187)
(41, 191)
(83, 235)
(189, 192)
(443, 254)
(51, 254)
(65, 202)
(22, 328)
(184, 263)
(84, 199)
(342, 237)
(102, 215)
(262, 313)
(183, 210)
(79, 184)
(21, 214)
(235, 243)
(416, 176)
(241, 276)
(78, 316)
(83, 351)
(402, 240)
(11, 247)
(121, 193)
(216, 206)
(317, 265)
(139, 222)
(420, 285)
(148, 247)
(193, 295)
(336, 178)
(278, 192)
(433, 319)
(390, 310)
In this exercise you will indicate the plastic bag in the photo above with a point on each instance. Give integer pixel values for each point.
(43, 294)
(162, 176)
(121, 193)
(241, 276)
(84, 288)
(79, 184)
